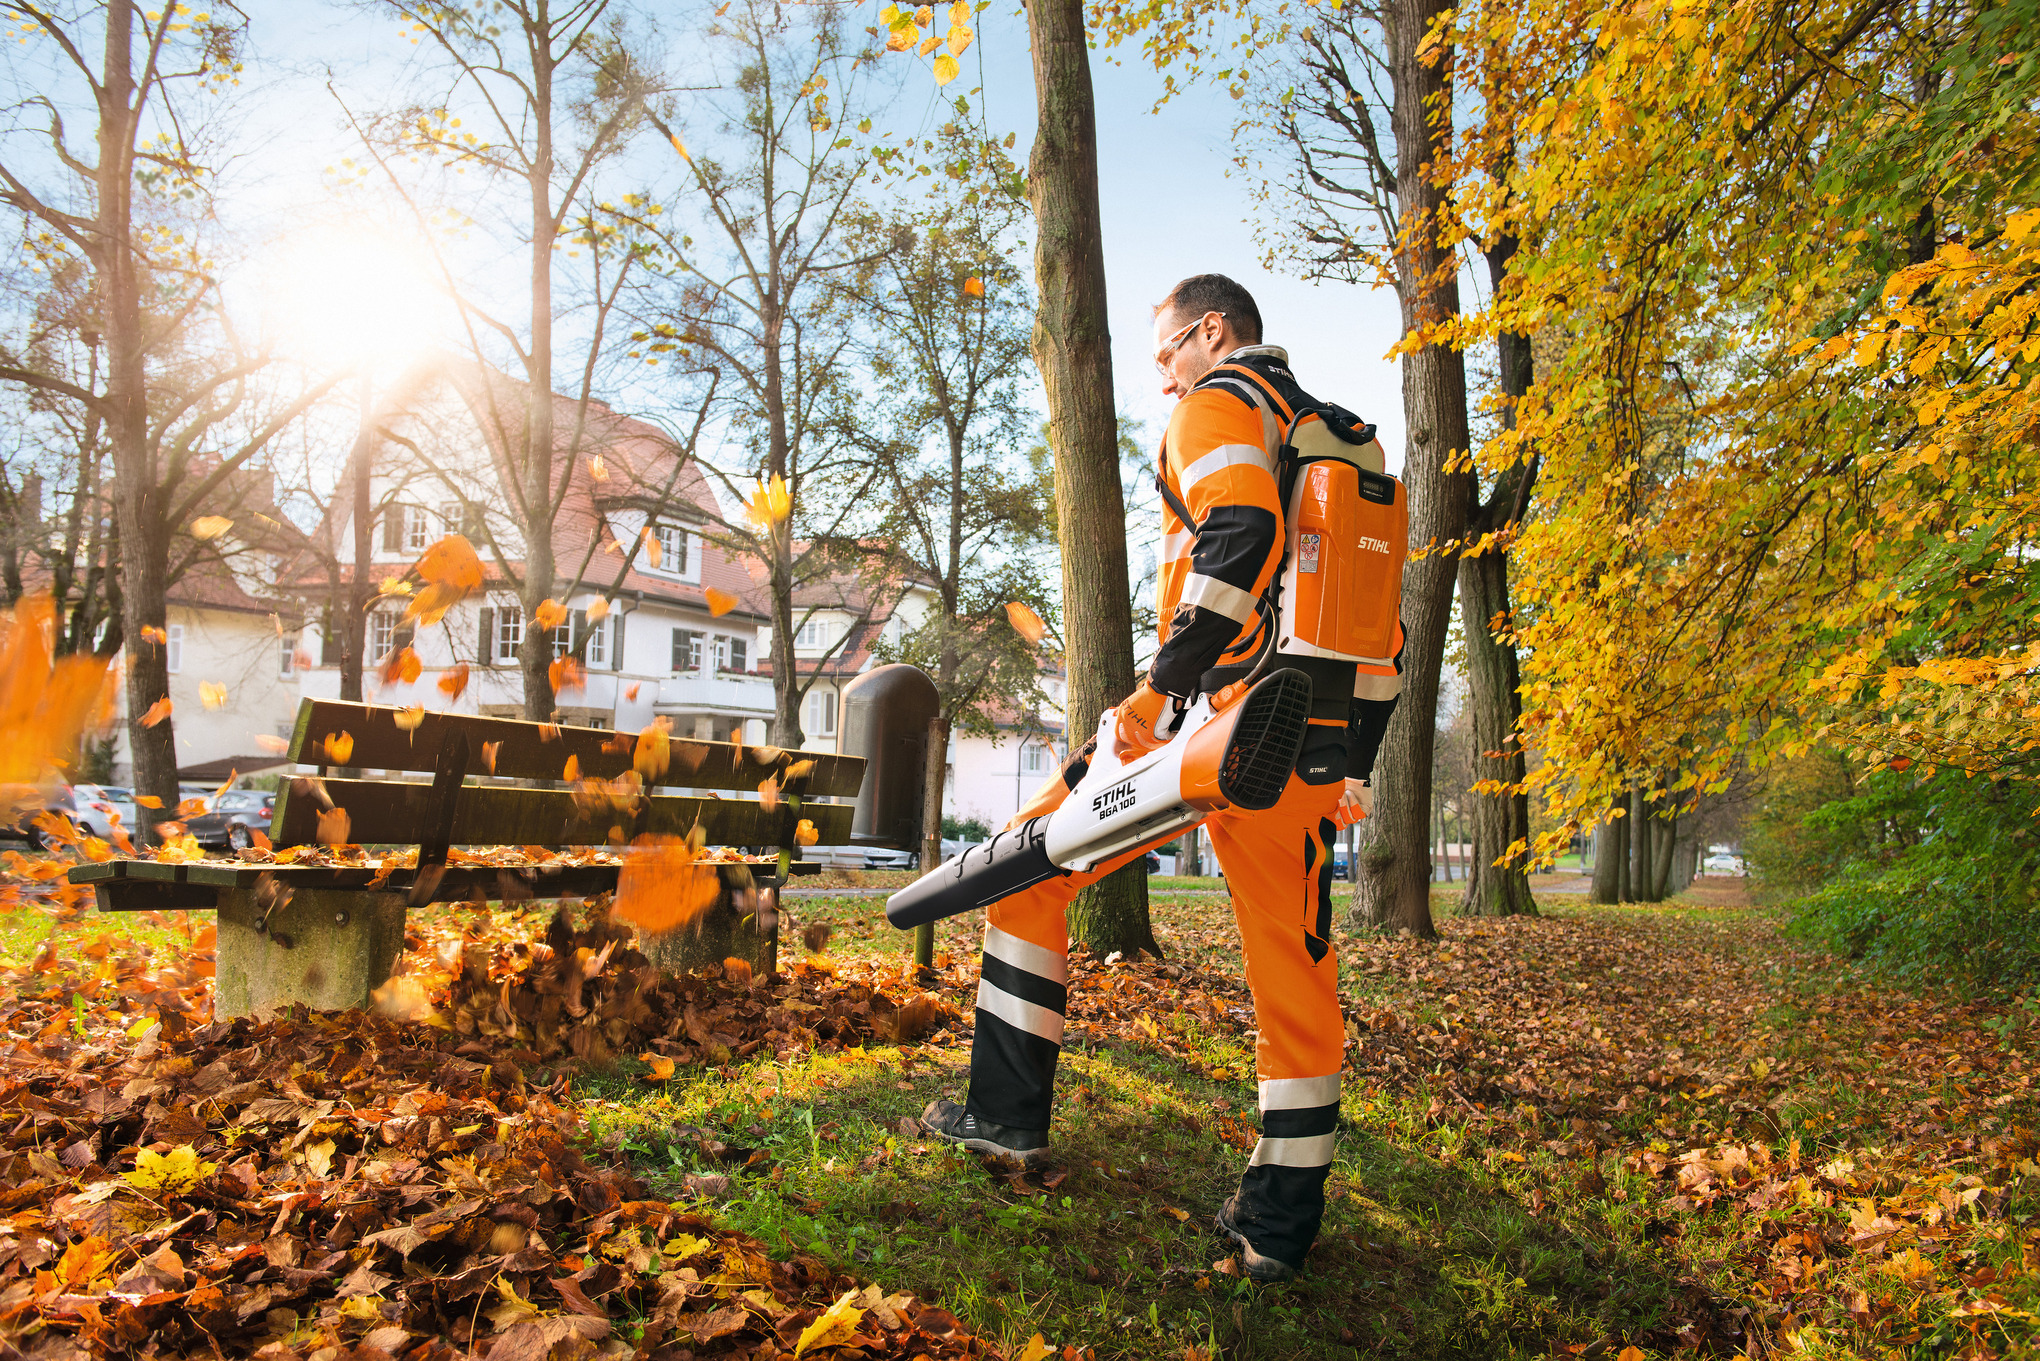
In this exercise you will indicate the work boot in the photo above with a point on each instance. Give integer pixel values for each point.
(1257, 1265)
(947, 1120)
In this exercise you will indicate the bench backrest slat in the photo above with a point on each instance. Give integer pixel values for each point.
(387, 812)
(538, 751)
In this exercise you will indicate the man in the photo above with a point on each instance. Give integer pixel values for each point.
(1222, 545)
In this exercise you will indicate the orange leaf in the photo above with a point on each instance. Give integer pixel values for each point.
(333, 826)
(452, 562)
(661, 1066)
(974, 287)
(661, 887)
(551, 614)
(339, 748)
(148, 801)
(566, 674)
(805, 834)
(190, 808)
(631, 694)
(157, 712)
(651, 545)
(489, 750)
(598, 611)
(573, 770)
(455, 680)
(1025, 621)
(768, 793)
(654, 752)
(402, 667)
(152, 634)
(720, 603)
(598, 467)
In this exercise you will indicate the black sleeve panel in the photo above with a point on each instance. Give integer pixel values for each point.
(1197, 638)
(1365, 729)
(1363, 736)
(1232, 546)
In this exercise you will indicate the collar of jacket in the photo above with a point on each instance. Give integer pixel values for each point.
(1274, 352)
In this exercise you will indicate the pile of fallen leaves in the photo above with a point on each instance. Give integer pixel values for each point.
(350, 1185)
(587, 992)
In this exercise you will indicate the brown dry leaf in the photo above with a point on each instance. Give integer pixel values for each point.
(660, 886)
(720, 603)
(1025, 621)
(156, 712)
(339, 748)
(567, 675)
(334, 825)
(816, 937)
(454, 681)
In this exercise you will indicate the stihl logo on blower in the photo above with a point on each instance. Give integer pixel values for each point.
(1239, 756)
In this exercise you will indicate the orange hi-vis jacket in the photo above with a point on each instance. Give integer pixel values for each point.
(1219, 463)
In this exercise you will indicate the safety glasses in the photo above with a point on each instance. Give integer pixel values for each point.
(1175, 342)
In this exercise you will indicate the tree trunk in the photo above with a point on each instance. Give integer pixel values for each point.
(539, 700)
(1640, 876)
(353, 623)
(1072, 348)
(1394, 889)
(1661, 859)
(137, 502)
(1610, 855)
(1494, 701)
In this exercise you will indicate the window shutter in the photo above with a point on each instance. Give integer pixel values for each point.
(578, 633)
(485, 651)
(679, 651)
(740, 655)
(615, 626)
(472, 526)
(402, 638)
(329, 645)
(393, 529)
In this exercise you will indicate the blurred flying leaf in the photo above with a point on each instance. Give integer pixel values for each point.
(974, 287)
(661, 886)
(566, 674)
(339, 748)
(402, 667)
(212, 694)
(409, 719)
(653, 552)
(654, 751)
(334, 825)
(210, 527)
(551, 614)
(156, 712)
(1025, 621)
(455, 680)
(720, 603)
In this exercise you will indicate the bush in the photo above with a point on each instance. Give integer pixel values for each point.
(966, 829)
(1934, 881)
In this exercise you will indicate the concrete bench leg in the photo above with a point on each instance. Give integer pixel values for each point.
(724, 931)
(326, 948)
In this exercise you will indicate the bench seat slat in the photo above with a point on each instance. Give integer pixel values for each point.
(391, 812)
(528, 753)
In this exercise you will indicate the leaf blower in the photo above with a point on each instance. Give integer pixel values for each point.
(1237, 753)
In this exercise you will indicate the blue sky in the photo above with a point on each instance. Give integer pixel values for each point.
(1170, 208)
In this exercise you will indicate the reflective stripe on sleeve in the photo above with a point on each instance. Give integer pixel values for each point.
(1021, 1015)
(1368, 685)
(1299, 1093)
(1177, 543)
(1224, 456)
(1038, 960)
(1213, 594)
(1313, 1150)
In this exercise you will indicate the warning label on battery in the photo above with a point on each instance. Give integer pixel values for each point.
(1306, 552)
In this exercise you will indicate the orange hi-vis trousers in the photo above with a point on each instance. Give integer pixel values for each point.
(1278, 866)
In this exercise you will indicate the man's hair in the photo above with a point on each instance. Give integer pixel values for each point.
(1201, 293)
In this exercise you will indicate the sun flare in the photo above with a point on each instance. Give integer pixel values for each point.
(352, 295)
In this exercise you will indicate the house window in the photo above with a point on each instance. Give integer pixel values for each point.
(732, 654)
(449, 517)
(286, 655)
(821, 713)
(382, 634)
(173, 649)
(563, 638)
(509, 632)
(814, 635)
(598, 644)
(686, 651)
(417, 529)
(1034, 759)
(672, 549)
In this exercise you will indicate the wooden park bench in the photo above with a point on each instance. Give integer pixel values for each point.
(328, 935)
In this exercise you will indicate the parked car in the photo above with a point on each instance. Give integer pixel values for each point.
(191, 789)
(235, 818)
(67, 802)
(1154, 862)
(101, 802)
(1722, 863)
(881, 858)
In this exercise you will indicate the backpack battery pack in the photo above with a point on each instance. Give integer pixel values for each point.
(1348, 523)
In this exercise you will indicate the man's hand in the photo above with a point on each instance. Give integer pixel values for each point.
(1139, 715)
(1356, 803)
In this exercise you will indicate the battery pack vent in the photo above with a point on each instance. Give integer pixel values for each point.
(1265, 739)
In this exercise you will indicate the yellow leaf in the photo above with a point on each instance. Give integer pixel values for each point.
(210, 527)
(929, 44)
(177, 1170)
(339, 746)
(925, 16)
(770, 504)
(654, 751)
(319, 1157)
(720, 603)
(573, 770)
(1037, 1349)
(959, 38)
(212, 694)
(947, 68)
(598, 610)
(959, 13)
(409, 719)
(679, 146)
(833, 1327)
